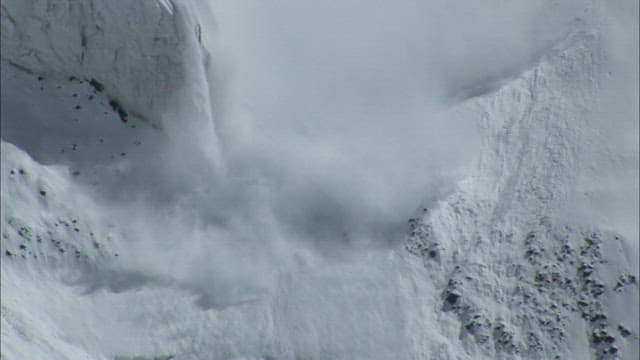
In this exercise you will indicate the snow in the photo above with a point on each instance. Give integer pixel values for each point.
(253, 202)
(144, 55)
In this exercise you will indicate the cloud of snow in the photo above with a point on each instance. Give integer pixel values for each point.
(343, 109)
(337, 121)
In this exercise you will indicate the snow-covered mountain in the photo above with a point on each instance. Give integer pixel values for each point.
(307, 180)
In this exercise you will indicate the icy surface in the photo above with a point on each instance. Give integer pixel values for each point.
(176, 186)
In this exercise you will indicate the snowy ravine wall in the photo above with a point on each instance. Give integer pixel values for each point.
(505, 266)
(146, 55)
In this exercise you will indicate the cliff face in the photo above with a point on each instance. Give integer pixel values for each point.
(143, 53)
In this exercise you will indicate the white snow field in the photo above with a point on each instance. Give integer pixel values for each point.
(287, 179)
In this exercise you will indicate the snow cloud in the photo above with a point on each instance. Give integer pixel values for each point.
(345, 110)
(337, 122)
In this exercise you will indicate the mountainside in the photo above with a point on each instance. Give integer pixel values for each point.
(520, 275)
(184, 180)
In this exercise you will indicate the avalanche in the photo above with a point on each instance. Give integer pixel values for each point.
(232, 180)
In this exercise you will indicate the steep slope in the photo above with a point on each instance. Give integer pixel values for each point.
(520, 276)
(135, 50)
(145, 55)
